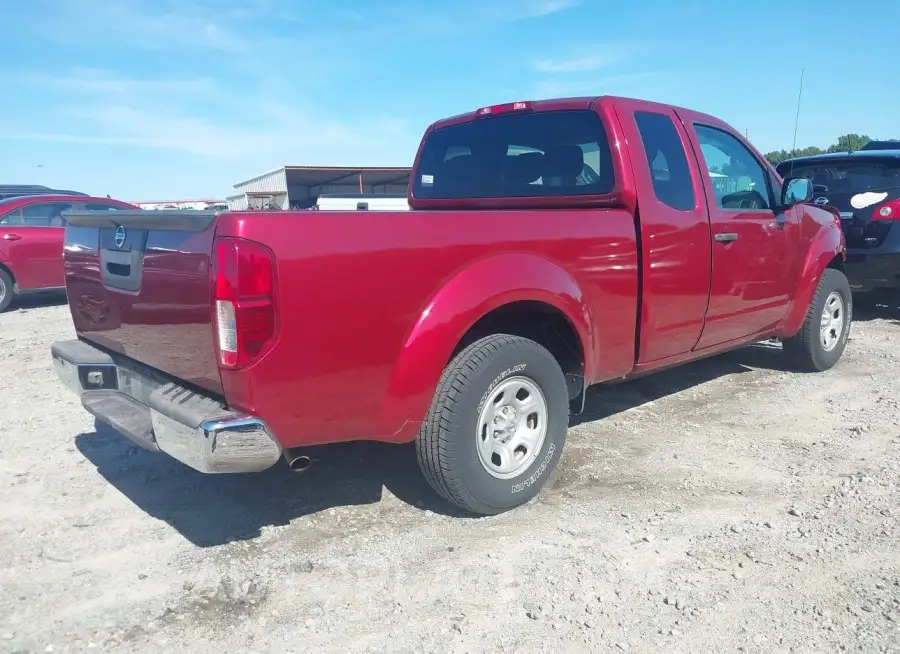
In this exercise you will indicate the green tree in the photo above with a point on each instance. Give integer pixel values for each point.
(849, 143)
(777, 156)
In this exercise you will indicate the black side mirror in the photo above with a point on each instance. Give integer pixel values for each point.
(796, 190)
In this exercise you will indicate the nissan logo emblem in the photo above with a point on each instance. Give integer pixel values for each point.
(120, 237)
(822, 200)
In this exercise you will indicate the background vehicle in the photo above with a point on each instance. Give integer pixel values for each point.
(471, 325)
(18, 190)
(864, 187)
(31, 240)
(361, 202)
(881, 145)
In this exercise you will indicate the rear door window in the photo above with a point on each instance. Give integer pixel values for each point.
(669, 170)
(555, 153)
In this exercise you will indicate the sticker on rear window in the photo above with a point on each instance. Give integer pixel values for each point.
(863, 200)
(427, 180)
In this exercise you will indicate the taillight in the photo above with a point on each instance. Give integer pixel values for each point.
(890, 210)
(244, 297)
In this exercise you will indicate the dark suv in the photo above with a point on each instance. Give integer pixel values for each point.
(864, 187)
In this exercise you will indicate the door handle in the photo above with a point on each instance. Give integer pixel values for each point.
(726, 237)
(12, 237)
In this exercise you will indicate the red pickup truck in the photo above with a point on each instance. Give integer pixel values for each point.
(552, 245)
(31, 240)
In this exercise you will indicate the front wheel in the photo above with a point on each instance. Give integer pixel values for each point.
(496, 426)
(820, 343)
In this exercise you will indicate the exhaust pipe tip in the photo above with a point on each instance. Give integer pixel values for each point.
(299, 463)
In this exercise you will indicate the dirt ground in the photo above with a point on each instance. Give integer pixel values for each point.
(725, 506)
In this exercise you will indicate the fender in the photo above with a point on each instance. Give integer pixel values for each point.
(826, 244)
(464, 299)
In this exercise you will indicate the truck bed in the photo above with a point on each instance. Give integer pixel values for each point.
(337, 272)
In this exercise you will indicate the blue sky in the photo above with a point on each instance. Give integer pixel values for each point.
(167, 99)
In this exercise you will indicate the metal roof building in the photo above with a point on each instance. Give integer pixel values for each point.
(297, 187)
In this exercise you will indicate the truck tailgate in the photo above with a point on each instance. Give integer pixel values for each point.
(138, 283)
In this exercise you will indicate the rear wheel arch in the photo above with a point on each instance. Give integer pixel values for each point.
(497, 286)
(541, 322)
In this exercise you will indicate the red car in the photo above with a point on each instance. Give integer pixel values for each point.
(550, 246)
(31, 240)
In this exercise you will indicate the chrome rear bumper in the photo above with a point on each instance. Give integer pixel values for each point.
(162, 416)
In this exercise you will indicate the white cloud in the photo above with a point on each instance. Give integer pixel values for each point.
(104, 108)
(95, 80)
(634, 84)
(540, 8)
(589, 59)
(579, 65)
(147, 25)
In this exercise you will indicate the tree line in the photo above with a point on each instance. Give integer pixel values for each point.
(845, 143)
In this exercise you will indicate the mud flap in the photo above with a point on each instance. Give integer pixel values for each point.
(577, 393)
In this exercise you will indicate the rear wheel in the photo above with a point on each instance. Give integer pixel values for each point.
(496, 426)
(6, 290)
(821, 341)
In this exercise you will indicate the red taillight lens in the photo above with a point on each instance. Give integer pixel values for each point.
(244, 297)
(888, 211)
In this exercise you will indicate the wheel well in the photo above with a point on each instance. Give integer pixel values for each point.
(542, 323)
(8, 272)
(837, 263)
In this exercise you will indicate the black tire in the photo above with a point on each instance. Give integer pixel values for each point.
(805, 350)
(447, 444)
(6, 290)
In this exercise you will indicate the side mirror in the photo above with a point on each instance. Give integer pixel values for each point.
(796, 190)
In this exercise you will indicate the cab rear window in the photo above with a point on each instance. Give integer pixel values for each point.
(554, 153)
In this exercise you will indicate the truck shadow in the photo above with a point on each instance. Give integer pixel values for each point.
(210, 510)
(877, 308)
(35, 300)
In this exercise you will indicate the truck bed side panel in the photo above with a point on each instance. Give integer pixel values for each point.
(352, 287)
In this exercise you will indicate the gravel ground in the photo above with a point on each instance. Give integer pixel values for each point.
(725, 506)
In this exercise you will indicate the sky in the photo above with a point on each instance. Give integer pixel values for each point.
(174, 99)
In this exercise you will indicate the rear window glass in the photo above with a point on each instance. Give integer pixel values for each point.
(847, 176)
(558, 153)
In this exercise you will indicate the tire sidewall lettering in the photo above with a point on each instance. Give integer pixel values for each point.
(848, 318)
(537, 474)
(499, 378)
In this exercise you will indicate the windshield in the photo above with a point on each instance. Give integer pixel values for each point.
(554, 153)
(839, 181)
